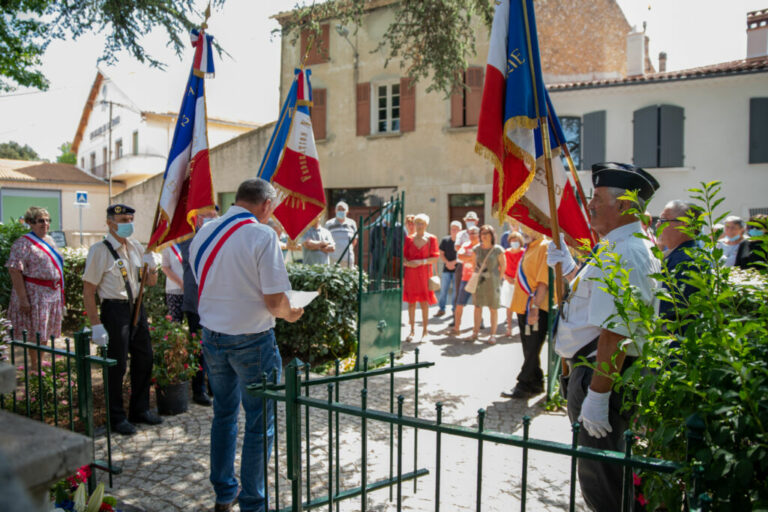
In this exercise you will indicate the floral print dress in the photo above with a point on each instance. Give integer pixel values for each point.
(47, 305)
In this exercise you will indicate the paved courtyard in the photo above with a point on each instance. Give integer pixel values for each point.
(166, 468)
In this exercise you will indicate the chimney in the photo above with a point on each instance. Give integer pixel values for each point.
(635, 53)
(662, 62)
(757, 33)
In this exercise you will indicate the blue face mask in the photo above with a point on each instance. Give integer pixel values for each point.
(207, 220)
(753, 232)
(341, 214)
(732, 238)
(124, 229)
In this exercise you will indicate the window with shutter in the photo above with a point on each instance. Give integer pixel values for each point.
(593, 145)
(408, 105)
(318, 113)
(758, 130)
(391, 107)
(658, 136)
(363, 108)
(466, 101)
(319, 52)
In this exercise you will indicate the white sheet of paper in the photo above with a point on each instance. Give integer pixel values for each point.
(299, 299)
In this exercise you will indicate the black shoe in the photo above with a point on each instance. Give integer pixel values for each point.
(202, 398)
(147, 417)
(124, 428)
(518, 393)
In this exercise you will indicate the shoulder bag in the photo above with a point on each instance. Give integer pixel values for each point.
(471, 286)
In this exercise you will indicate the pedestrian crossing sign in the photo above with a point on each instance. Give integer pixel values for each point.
(81, 198)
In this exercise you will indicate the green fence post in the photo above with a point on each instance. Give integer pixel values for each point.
(293, 431)
(694, 433)
(84, 389)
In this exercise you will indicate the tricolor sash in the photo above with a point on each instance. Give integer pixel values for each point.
(54, 256)
(523, 281)
(177, 252)
(209, 249)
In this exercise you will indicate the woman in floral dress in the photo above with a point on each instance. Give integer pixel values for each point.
(37, 304)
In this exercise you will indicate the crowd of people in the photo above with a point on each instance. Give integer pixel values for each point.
(233, 302)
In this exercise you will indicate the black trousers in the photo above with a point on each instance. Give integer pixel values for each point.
(600, 482)
(198, 381)
(116, 318)
(531, 377)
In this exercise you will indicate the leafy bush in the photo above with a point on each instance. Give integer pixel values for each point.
(174, 351)
(8, 234)
(706, 366)
(328, 328)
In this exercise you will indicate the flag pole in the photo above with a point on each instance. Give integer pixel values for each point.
(544, 130)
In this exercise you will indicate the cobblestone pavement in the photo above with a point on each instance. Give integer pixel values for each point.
(165, 468)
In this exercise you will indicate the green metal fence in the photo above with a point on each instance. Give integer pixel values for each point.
(58, 389)
(298, 406)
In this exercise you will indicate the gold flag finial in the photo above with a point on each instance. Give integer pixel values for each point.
(207, 15)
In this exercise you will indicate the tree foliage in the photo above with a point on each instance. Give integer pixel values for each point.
(28, 26)
(15, 151)
(430, 38)
(66, 156)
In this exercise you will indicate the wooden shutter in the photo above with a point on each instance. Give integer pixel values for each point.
(318, 113)
(758, 130)
(364, 108)
(407, 105)
(474, 96)
(593, 143)
(671, 135)
(320, 50)
(457, 106)
(646, 137)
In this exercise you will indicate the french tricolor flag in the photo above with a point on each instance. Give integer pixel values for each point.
(291, 161)
(508, 133)
(187, 184)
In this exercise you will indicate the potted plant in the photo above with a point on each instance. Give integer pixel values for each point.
(175, 363)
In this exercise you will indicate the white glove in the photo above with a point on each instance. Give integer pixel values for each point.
(562, 255)
(149, 259)
(594, 413)
(99, 335)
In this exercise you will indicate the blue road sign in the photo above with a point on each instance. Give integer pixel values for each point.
(81, 197)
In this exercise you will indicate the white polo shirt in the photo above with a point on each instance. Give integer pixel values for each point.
(588, 309)
(248, 265)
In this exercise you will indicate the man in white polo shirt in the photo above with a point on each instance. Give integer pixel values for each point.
(242, 282)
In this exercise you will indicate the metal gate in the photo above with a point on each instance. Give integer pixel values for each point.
(380, 294)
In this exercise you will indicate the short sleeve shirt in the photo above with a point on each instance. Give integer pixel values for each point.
(310, 257)
(172, 260)
(448, 246)
(588, 309)
(102, 270)
(247, 266)
(342, 233)
(536, 272)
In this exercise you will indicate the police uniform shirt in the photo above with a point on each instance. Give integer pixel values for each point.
(248, 265)
(588, 309)
(102, 270)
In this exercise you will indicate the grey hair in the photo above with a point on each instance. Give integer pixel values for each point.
(344, 206)
(255, 191)
(616, 193)
(681, 208)
(456, 223)
(736, 220)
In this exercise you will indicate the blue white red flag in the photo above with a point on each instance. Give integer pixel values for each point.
(202, 65)
(508, 132)
(187, 184)
(291, 163)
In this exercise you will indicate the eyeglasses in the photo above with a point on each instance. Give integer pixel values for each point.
(42, 221)
(662, 220)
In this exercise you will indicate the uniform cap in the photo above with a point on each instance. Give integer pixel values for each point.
(624, 176)
(120, 209)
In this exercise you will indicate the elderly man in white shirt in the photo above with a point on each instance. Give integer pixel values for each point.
(242, 283)
(586, 328)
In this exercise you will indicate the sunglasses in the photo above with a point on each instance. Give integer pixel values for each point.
(662, 220)
(41, 221)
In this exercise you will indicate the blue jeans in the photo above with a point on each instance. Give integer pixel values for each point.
(234, 362)
(446, 280)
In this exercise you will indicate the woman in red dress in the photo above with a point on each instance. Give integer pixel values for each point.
(420, 251)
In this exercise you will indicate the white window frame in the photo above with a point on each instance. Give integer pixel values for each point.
(389, 107)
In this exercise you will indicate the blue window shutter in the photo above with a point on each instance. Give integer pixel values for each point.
(758, 130)
(671, 135)
(646, 137)
(593, 144)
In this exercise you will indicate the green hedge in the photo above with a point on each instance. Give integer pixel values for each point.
(328, 328)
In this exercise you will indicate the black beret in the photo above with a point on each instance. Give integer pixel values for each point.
(119, 209)
(624, 176)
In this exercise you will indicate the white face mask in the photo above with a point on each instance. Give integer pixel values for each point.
(514, 245)
(471, 224)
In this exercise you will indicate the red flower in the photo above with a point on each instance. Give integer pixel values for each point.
(106, 507)
(636, 479)
(641, 500)
(186, 366)
(169, 318)
(200, 368)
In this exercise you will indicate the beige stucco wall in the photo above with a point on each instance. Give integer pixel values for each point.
(231, 163)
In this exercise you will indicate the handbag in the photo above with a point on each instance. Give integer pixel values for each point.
(434, 284)
(471, 286)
